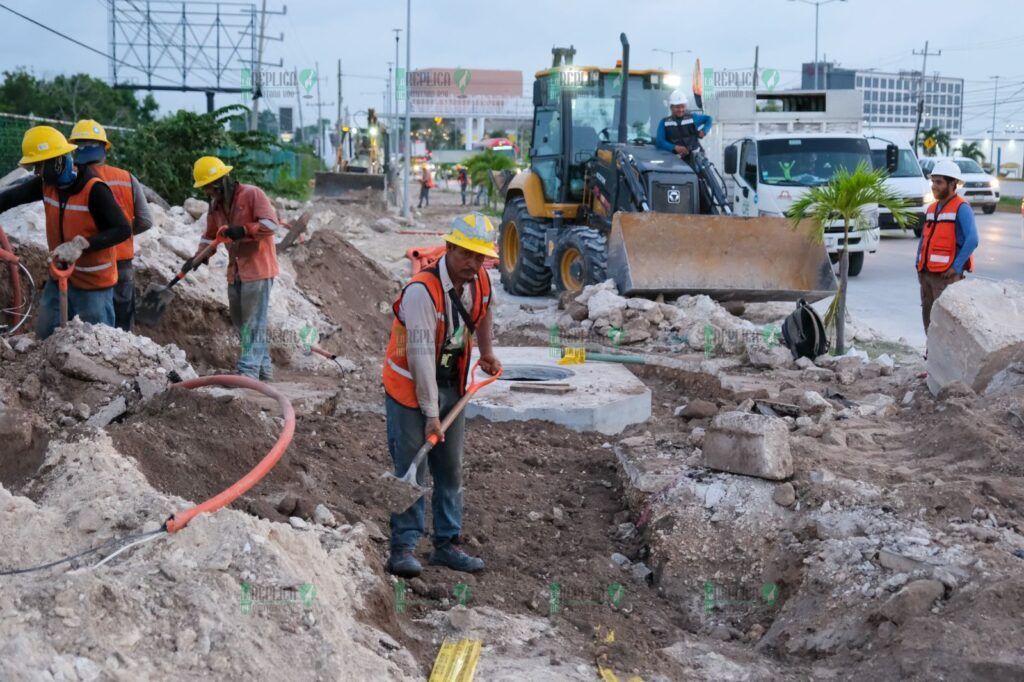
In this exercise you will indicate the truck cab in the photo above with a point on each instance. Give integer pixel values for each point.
(907, 181)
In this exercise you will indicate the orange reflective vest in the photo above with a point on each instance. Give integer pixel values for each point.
(938, 238)
(120, 183)
(398, 380)
(95, 269)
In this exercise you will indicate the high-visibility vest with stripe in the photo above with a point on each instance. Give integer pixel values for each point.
(120, 183)
(96, 269)
(938, 238)
(398, 380)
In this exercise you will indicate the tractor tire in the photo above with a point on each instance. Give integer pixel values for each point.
(521, 240)
(580, 259)
(856, 263)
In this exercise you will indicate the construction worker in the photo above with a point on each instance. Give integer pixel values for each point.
(244, 215)
(83, 224)
(425, 371)
(948, 238)
(682, 130)
(463, 182)
(426, 182)
(93, 145)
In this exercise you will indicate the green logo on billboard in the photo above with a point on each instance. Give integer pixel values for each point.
(770, 78)
(462, 78)
(308, 78)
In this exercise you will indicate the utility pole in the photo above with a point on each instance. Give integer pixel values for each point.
(338, 121)
(920, 94)
(319, 115)
(298, 106)
(397, 64)
(756, 50)
(257, 90)
(408, 122)
(992, 144)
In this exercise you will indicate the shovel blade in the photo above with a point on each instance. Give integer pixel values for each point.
(154, 302)
(398, 494)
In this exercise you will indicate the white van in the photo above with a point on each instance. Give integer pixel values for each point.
(978, 187)
(907, 181)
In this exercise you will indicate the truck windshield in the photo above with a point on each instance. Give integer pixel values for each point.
(809, 161)
(907, 165)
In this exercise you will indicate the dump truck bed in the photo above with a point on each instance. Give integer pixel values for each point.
(725, 257)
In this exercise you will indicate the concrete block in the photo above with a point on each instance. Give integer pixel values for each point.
(977, 331)
(749, 444)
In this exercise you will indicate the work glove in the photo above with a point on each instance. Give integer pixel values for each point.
(234, 232)
(69, 252)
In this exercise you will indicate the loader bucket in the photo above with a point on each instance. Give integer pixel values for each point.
(725, 257)
(340, 184)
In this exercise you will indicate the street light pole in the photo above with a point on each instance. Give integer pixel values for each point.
(817, 7)
(408, 122)
(397, 64)
(671, 56)
(992, 144)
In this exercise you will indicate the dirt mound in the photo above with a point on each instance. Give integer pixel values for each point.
(354, 292)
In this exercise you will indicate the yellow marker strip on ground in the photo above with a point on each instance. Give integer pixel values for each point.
(456, 661)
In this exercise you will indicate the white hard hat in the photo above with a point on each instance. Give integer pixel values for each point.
(678, 97)
(949, 169)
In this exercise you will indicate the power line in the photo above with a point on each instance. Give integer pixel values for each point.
(76, 42)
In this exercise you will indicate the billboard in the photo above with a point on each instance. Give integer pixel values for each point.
(460, 82)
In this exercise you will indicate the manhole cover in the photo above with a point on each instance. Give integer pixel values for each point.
(534, 373)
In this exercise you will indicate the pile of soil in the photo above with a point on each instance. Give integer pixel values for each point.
(352, 291)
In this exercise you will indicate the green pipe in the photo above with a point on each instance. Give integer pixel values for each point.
(623, 359)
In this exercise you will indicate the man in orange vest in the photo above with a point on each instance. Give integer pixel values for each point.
(425, 371)
(244, 215)
(948, 239)
(83, 224)
(93, 145)
(426, 182)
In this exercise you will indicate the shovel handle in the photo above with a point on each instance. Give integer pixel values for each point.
(62, 275)
(205, 253)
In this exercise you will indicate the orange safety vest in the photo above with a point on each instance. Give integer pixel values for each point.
(120, 183)
(95, 269)
(398, 380)
(938, 238)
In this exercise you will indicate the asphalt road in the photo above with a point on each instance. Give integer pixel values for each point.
(885, 295)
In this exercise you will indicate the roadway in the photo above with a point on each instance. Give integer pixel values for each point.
(885, 295)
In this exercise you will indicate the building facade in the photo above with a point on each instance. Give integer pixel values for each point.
(890, 99)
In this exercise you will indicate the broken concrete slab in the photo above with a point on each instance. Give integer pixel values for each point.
(607, 399)
(749, 444)
(977, 331)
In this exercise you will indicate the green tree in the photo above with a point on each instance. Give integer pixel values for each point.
(939, 136)
(847, 197)
(71, 98)
(971, 150)
(479, 167)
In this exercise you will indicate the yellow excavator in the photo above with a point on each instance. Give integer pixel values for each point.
(361, 161)
(601, 200)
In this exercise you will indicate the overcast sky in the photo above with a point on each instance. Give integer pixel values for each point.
(978, 40)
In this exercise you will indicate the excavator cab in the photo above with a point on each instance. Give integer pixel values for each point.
(568, 219)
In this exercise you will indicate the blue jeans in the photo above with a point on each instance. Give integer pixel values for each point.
(405, 436)
(124, 296)
(95, 306)
(248, 303)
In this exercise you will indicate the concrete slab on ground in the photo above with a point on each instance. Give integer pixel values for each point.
(607, 397)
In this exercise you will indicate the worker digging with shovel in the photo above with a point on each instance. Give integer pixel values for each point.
(425, 374)
(243, 217)
(83, 225)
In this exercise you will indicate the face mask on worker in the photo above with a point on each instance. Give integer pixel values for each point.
(90, 153)
(59, 171)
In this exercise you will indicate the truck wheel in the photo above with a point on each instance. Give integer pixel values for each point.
(521, 252)
(856, 262)
(989, 210)
(580, 258)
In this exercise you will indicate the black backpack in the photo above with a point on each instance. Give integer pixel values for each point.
(804, 333)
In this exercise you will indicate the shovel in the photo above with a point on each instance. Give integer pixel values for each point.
(400, 493)
(156, 298)
(62, 275)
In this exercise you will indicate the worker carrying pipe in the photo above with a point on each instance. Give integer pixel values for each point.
(243, 215)
(437, 315)
(93, 145)
(83, 225)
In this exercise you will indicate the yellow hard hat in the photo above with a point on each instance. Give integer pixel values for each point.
(88, 129)
(207, 169)
(475, 232)
(42, 143)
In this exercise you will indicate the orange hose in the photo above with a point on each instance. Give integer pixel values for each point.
(424, 256)
(181, 519)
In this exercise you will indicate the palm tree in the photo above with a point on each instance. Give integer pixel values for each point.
(939, 136)
(971, 150)
(847, 196)
(480, 167)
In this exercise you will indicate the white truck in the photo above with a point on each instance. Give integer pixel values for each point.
(907, 180)
(771, 147)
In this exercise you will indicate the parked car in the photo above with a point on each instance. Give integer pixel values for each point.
(979, 188)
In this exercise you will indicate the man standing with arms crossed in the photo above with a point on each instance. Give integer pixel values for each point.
(425, 371)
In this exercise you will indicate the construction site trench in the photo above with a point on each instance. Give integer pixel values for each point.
(891, 548)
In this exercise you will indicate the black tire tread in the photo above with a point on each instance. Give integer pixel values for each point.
(530, 276)
(594, 247)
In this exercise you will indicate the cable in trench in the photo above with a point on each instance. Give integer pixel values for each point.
(219, 501)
